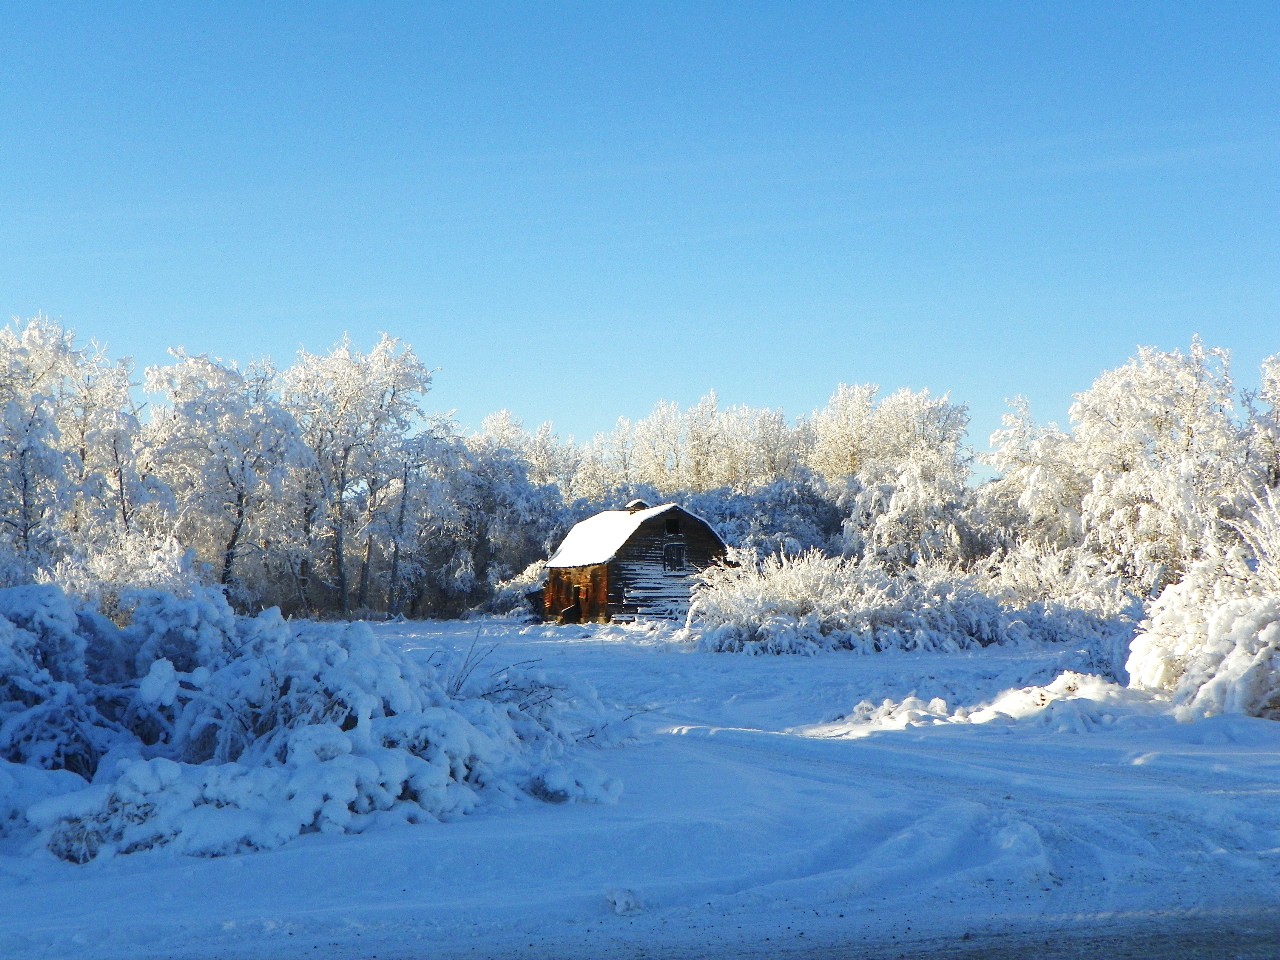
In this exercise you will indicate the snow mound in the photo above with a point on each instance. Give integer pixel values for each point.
(1073, 703)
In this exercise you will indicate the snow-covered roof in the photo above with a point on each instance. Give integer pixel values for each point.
(598, 539)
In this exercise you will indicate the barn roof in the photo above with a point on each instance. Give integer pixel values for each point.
(598, 539)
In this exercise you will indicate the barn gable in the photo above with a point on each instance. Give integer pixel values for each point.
(624, 564)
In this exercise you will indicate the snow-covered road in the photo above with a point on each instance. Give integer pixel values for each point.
(763, 813)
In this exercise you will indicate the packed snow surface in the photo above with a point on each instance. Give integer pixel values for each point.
(836, 805)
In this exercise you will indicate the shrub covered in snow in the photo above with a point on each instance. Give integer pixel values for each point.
(510, 598)
(212, 733)
(119, 567)
(811, 602)
(1064, 596)
(1212, 640)
(51, 715)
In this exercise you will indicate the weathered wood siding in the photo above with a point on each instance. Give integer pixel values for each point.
(641, 581)
(593, 582)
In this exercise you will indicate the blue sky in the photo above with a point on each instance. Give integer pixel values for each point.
(576, 210)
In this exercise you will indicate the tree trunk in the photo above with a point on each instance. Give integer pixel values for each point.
(362, 597)
(304, 564)
(229, 553)
(122, 499)
(340, 569)
(393, 588)
(340, 539)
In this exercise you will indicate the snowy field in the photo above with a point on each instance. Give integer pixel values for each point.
(979, 804)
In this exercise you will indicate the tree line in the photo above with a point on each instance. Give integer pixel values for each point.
(326, 489)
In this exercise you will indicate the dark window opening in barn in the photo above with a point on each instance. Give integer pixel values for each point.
(673, 525)
(673, 556)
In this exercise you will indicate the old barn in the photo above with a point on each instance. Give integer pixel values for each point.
(624, 564)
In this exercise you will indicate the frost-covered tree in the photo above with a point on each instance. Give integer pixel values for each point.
(99, 423)
(788, 516)
(223, 444)
(463, 516)
(678, 452)
(658, 452)
(1165, 460)
(507, 522)
(842, 432)
(1040, 480)
(704, 441)
(352, 409)
(1263, 426)
(550, 460)
(905, 500)
(37, 473)
(752, 449)
(34, 484)
(604, 465)
(419, 494)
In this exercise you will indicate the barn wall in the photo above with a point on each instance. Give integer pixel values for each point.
(639, 583)
(593, 582)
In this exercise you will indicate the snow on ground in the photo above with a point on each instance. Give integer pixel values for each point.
(835, 805)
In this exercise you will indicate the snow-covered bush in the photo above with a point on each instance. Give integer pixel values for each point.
(1212, 641)
(1064, 596)
(47, 627)
(511, 597)
(124, 565)
(190, 632)
(48, 714)
(213, 733)
(811, 602)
